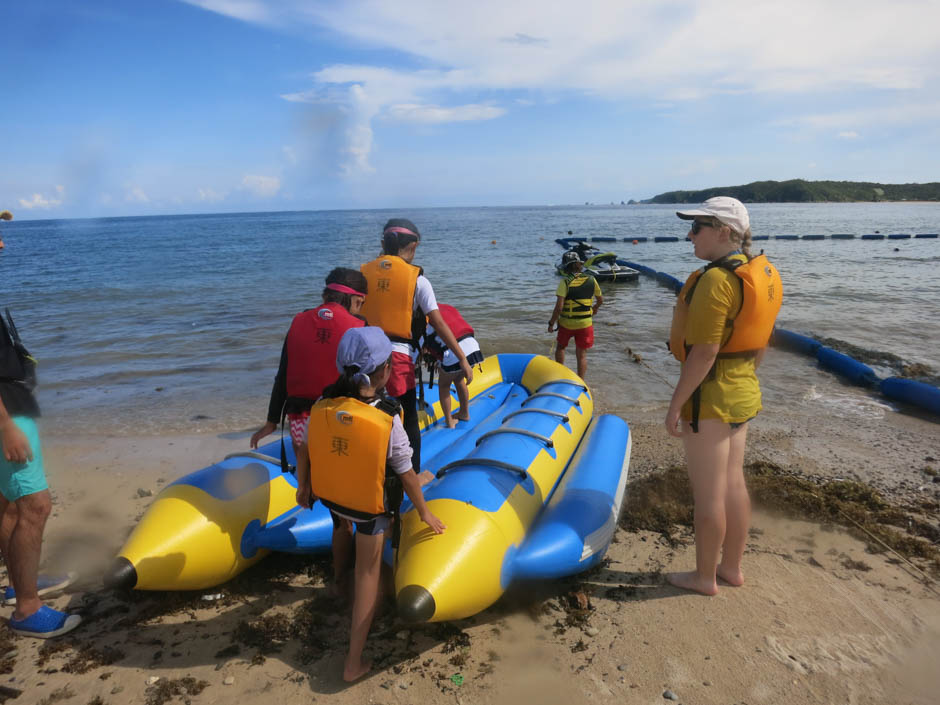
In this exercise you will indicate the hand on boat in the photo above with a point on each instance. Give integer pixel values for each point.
(437, 526)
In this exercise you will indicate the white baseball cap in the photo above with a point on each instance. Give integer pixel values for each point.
(729, 211)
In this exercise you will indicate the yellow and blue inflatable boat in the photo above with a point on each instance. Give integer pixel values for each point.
(529, 488)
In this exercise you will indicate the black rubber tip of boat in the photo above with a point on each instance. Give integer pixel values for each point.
(121, 576)
(415, 604)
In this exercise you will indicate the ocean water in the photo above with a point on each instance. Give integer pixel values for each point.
(175, 323)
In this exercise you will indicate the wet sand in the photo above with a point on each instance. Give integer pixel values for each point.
(821, 618)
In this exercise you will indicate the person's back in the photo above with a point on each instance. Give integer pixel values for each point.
(577, 299)
(450, 372)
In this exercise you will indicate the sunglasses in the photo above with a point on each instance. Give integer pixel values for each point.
(697, 226)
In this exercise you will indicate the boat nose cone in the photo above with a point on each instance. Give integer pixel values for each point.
(122, 575)
(415, 604)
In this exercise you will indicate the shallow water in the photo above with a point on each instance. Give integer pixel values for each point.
(175, 323)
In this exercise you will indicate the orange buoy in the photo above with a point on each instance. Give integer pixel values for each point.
(636, 242)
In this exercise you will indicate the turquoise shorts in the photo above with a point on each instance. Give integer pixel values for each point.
(20, 479)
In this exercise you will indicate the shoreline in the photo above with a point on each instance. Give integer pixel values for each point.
(820, 619)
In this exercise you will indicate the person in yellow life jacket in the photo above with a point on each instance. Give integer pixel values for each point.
(721, 325)
(400, 300)
(577, 299)
(356, 459)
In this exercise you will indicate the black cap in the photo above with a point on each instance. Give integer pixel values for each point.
(569, 258)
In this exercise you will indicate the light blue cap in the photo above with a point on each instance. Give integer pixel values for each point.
(367, 348)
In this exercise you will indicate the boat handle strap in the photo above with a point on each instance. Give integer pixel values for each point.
(556, 414)
(485, 462)
(582, 387)
(573, 400)
(549, 443)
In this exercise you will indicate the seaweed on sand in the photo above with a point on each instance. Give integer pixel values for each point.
(663, 500)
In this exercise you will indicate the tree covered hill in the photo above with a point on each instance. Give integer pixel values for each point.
(800, 191)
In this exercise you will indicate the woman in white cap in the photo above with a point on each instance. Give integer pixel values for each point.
(722, 322)
(356, 459)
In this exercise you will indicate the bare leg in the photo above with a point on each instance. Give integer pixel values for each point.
(737, 512)
(463, 394)
(560, 355)
(443, 390)
(581, 354)
(366, 592)
(706, 454)
(342, 552)
(8, 517)
(25, 546)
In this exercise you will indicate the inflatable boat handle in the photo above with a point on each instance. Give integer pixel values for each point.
(556, 414)
(582, 387)
(253, 454)
(573, 400)
(498, 464)
(549, 443)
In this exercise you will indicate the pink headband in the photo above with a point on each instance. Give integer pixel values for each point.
(402, 231)
(343, 289)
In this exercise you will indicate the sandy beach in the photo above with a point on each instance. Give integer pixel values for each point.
(821, 618)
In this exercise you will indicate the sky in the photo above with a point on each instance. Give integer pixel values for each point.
(114, 108)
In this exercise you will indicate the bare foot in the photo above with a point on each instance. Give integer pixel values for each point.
(353, 672)
(424, 477)
(734, 578)
(693, 581)
(462, 416)
(451, 422)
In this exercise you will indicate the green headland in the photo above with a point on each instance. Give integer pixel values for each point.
(801, 191)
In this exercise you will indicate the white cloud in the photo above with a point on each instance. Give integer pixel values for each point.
(848, 135)
(261, 186)
(209, 195)
(135, 194)
(43, 202)
(412, 112)
(455, 55)
(900, 112)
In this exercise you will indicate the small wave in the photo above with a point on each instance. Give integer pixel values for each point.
(847, 405)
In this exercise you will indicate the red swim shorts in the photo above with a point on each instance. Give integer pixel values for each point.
(403, 375)
(583, 337)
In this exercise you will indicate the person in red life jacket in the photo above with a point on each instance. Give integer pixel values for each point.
(450, 371)
(308, 356)
(401, 299)
(722, 322)
(577, 299)
(357, 460)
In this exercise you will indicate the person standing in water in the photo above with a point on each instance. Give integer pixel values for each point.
(401, 300)
(577, 299)
(722, 321)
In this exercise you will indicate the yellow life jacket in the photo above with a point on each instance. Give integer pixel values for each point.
(348, 446)
(761, 298)
(390, 303)
(579, 300)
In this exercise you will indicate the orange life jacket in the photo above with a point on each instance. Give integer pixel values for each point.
(390, 303)
(348, 446)
(761, 297)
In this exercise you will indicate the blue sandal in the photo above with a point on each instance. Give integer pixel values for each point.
(47, 584)
(45, 623)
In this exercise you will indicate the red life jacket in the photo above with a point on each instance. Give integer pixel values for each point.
(311, 349)
(458, 326)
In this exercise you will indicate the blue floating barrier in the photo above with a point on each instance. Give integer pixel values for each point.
(873, 236)
(846, 366)
(666, 238)
(668, 280)
(909, 391)
(636, 239)
(899, 236)
(786, 237)
(760, 237)
(925, 236)
(603, 239)
(788, 340)
(814, 237)
(843, 236)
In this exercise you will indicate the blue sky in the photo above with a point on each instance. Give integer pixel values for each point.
(150, 107)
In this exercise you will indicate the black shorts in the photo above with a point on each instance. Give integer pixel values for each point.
(474, 358)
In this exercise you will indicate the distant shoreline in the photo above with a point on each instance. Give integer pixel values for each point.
(802, 191)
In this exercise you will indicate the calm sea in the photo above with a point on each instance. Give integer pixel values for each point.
(164, 324)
